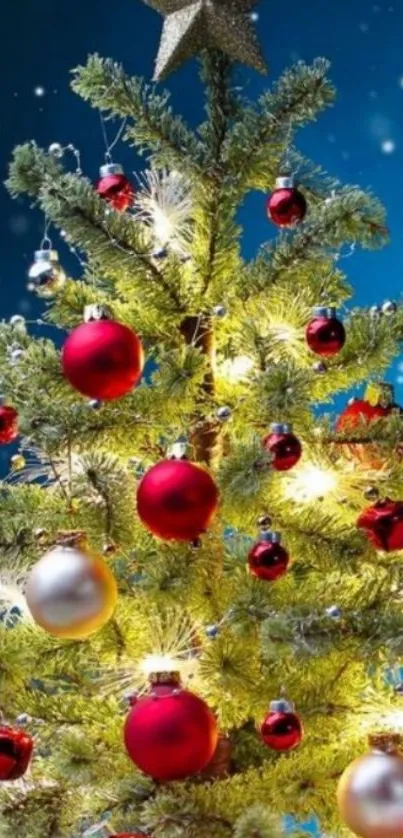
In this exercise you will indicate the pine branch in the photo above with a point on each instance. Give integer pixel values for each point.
(106, 86)
(296, 99)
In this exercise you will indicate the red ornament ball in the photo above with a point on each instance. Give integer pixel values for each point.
(15, 752)
(284, 447)
(102, 359)
(356, 414)
(176, 500)
(281, 729)
(383, 523)
(267, 559)
(325, 334)
(171, 733)
(8, 424)
(114, 187)
(286, 206)
(358, 411)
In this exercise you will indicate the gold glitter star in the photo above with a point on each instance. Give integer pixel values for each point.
(193, 25)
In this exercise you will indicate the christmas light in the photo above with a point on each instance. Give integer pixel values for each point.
(236, 369)
(164, 204)
(310, 482)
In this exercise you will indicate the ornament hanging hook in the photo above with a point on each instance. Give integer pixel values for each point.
(46, 243)
(110, 146)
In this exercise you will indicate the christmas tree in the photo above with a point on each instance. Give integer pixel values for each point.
(171, 665)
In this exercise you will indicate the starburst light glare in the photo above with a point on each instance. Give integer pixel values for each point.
(164, 204)
(310, 482)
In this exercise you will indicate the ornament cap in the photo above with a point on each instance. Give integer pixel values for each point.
(166, 678)
(270, 537)
(281, 428)
(96, 311)
(71, 538)
(46, 254)
(281, 705)
(285, 182)
(110, 169)
(324, 311)
(386, 742)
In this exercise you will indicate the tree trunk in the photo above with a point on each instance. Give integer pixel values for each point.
(204, 435)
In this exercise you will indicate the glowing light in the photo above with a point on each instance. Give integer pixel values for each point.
(164, 204)
(235, 369)
(284, 332)
(39, 91)
(309, 483)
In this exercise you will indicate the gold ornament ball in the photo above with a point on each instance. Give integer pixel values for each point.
(71, 592)
(370, 795)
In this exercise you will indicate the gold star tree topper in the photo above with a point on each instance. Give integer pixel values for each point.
(193, 25)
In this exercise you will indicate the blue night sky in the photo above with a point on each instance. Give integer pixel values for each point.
(360, 140)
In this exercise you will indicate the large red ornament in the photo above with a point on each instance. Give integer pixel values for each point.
(378, 403)
(325, 334)
(383, 523)
(286, 206)
(114, 187)
(171, 733)
(8, 424)
(284, 447)
(267, 559)
(177, 500)
(282, 729)
(15, 752)
(102, 359)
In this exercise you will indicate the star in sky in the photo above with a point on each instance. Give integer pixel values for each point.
(192, 25)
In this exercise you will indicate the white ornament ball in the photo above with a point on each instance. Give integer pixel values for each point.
(71, 592)
(370, 795)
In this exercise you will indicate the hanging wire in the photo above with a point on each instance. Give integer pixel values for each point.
(110, 146)
(46, 243)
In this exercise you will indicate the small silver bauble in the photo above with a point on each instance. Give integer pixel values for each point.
(18, 322)
(94, 404)
(46, 274)
(219, 311)
(212, 632)
(389, 307)
(334, 612)
(224, 413)
(16, 355)
(56, 150)
(320, 367)
(374, 312)
(371, 493)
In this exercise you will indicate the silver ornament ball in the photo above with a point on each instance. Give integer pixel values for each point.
(18, 322)
(71, 592)
(219, 311)
(46, 275)
(370, 795)
(56, 150)
(224, 413)
(375, 312)
(389, 307)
